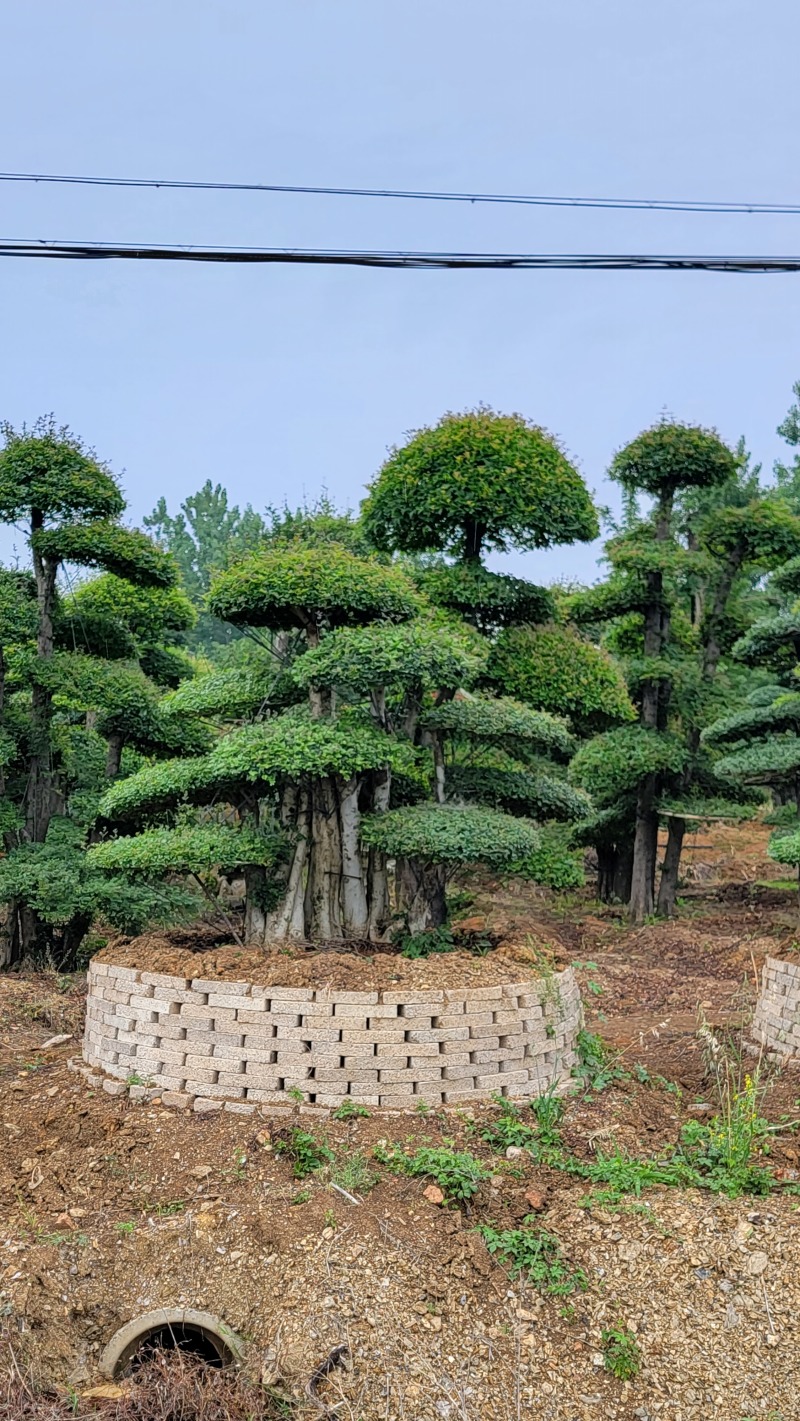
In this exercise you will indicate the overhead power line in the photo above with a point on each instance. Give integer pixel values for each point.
(625, 204)
(486, 261)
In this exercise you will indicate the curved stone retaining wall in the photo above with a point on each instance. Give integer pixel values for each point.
(238, 1041)
(776, 1021)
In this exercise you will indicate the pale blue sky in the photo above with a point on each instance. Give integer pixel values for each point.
(278, 380)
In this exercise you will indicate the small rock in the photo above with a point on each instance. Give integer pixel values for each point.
(200, 1171)
(433, 1194)
(64, 1221)
(436, 1323)
(514, 1152)
(176, 1099)
(701, 1108)
(328, 1233)
(771, 1339)
(108, 1391)
(756, 1263)
(598, 1360)
(56, 1041)
(536, 1200)
(77, 1213)
(115, 1088)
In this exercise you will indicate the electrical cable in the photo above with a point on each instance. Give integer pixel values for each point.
(487, 261)
(624, 204)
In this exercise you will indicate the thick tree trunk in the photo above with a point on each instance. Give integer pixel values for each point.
(645, 847)
(355, 908)
(377, 870)
(606, 868)
(668, 887)
(288, 920)
(424, 891)
(41, 797)
(623, 873)
(114, 755)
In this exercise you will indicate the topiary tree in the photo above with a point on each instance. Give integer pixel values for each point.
(54, 755)
(478, 482)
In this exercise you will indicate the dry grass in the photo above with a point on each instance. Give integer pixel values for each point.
(170, 1386)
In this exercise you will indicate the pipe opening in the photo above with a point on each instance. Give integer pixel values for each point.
(178, 1337)
(183, 1330)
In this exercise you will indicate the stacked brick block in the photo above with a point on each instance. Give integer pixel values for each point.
(243, 1042)
(776, 1021)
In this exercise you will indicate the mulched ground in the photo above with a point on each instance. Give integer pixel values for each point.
(108, 1209)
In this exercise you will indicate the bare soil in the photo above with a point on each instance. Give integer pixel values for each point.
(109, 1209)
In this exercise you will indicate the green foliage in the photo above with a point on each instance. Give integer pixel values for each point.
(294, 745)
(672, 456)
(615, 762)
(307, 586)
(785, 847)
(782, 714)
(622, 1355)
(308, 1154)
(428, 944)
(18, 612)
(451, 835)
(555, 864)
(417, 654)
(458, 1174)
(598, 1067)
(227, 694)
(155, 790)
(534, 1255)
(350, 1110)
(125, 552)
(772, 642)
(195, 848)
(521, 792)
(478, 479)
(110, 617)
(764, 534)
(554, 669)
(502, 722)
(58, 883)
(49, 469)
(767, 762)
(318, 523)
(508, 1128)
(205, 535)
(488, 600)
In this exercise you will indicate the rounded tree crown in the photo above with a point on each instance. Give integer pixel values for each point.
(421, 653)
(555, 669)
(48, 469)
(305, 586)
(670, 456)
(764, 533)
(478, 480)
(452, 835)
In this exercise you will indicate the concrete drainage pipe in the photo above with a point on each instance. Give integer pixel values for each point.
(185, 1329)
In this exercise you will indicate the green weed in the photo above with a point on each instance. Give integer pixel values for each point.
(308, 1154)
(354, 1174)
(535, 1255)
(622, 1355)
(350, 1110)
(458, 1174)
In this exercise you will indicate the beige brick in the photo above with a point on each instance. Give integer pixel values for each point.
(195, 1048)
(331, 1073)
(256, 1016)
(223, 989)
(229, 1003)
(255, 1053)
(166, 1081)
(195, 1011)
(404, 996)
(350, 998)
(122, 974)
(439, 1034)
(459, 1073)
(172, 1051)
(379, 1036)
(419, 1062)
(484, 994)
(290, 994)
(384, 1011)
(171, 1029)
(420, 1012)
(161, 979)
(456, 1058)
(201, 1067)
(502, 1080)
(483, 1042)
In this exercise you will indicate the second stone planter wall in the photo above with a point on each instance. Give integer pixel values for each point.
(776, 1020)
(240, 1041)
